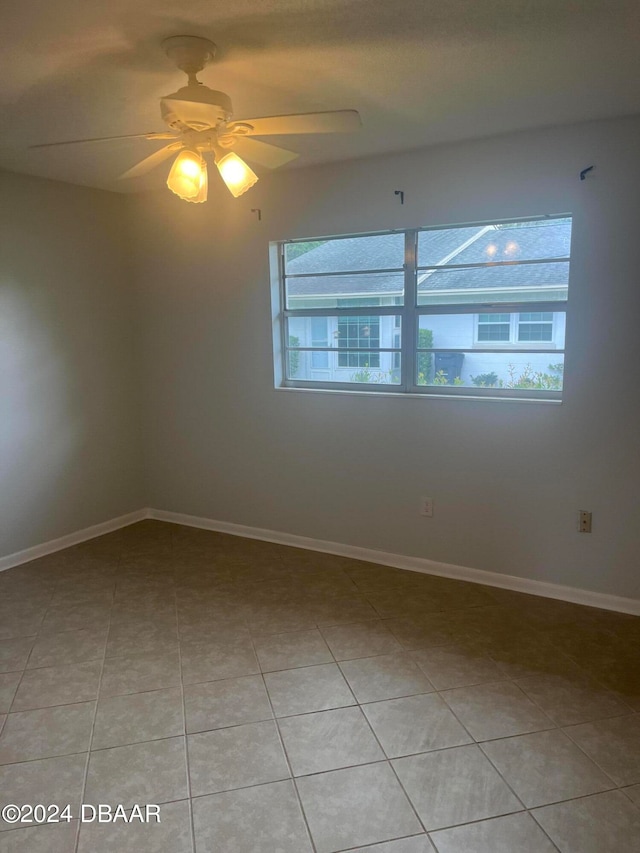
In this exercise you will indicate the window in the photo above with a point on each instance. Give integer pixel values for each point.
(494, 327)
(535, 326)
(470, 310)
(358, 333)
(527, 327)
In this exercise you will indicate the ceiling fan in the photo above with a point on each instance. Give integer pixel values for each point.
(200, 121)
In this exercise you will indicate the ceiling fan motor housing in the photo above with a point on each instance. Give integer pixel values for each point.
(196, 107)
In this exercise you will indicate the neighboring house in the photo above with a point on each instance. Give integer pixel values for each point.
(488, 280)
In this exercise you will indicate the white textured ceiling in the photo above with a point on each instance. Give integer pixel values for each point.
(419, 71)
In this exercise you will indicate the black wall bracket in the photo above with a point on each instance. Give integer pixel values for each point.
(585, 172)
(258, 211)
(401, 194)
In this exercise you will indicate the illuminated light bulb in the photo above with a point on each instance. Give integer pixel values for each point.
(235, 173)
(491, 249)
(186, 175)
(204, 186)
(511, 248)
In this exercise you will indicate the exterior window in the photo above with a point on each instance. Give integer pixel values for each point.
(536, 326)
(464, 311)
(358, 333)
(494, 327)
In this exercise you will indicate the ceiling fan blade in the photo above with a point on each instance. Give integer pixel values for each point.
(162, 135)
(151, 162)
(263, 153)
(335, 121)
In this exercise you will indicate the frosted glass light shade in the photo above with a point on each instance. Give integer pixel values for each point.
(236, 174)
(186, 175)
(204, 186)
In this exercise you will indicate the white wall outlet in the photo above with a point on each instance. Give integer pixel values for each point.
(584, 521)
(426, 507)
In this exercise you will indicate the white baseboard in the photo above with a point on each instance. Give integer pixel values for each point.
(414, 564)
(70, 539)
(369, 555)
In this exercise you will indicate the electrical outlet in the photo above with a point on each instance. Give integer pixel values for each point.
(584, 521)
(426, 507)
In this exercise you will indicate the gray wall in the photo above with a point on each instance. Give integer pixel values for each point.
(69, 425)
(507, 478)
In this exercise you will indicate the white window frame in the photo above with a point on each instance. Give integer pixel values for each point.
(410, 313)
(514, 341)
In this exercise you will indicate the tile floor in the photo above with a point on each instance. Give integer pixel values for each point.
(273, 700)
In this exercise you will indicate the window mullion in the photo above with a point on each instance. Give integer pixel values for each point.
(409, 334)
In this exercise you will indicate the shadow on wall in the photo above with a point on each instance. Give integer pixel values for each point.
(40, 432)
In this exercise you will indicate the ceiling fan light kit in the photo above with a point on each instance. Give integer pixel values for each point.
(188, 176)
(200, 121)
(236, 174)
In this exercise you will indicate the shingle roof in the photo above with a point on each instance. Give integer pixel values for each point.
(535, 241)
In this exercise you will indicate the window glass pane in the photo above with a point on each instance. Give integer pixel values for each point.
(515, 370)
(481, 244)
(336, 338)
(332, 291)
(373, 368)
(511, 283)
(374, 252)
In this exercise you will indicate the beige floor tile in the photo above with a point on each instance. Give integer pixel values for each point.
(214, 660)
(138, 717)
(48, 781)
(138, 673)
(496, 710)
(172, 833)
(613, 744)
(518, 656)
(430, 629)
(360, 639)
(342, 611)
(8, 685)
(68, 647)
(153, 772)
(453, 786)
(49, 838)
(286, 651)
(546, 767)
(312, 688)
(236, 757)
(517, 833)
(14, 653)
(633, 792)
(14, 624)
(414, 724)
(262, 819)
(569, 700)
(355, 807)
(415, 844)
(46, 732)
(142, 637)
(385, 677)
(230, 702)
(58, 685)
(456, 666)
(603, 823)
(328, 740)
(69, 617)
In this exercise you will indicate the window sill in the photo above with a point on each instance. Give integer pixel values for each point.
(429, 396)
